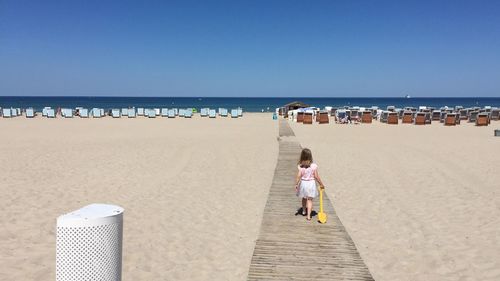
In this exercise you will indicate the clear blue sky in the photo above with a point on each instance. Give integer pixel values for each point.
(250, 48)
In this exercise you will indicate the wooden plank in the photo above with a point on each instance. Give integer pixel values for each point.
(291, 248)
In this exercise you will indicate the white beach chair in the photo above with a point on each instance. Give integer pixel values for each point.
(96, 112)
(131, 112)
(140, 111)
(44, 111)
(84, 113)
(115, 113)
(171, 113)
(30, 113)
(240, 112)
(51, 113)
(6, 112)
(124, 111)
(234, 113)
(151, 113)
(212, 113)
(204, 112)
(182, 112)
(164, 112)
(157, 111)
(67, 112)
(188, 113)
(223, 112)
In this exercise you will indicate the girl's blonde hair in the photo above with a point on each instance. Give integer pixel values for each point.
(306, 157)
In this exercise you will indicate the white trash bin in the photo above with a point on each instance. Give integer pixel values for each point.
(89, 244)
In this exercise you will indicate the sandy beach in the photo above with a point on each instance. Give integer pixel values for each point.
(193, 191)
(420, 202)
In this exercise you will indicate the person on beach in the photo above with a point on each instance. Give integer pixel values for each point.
(305, 183)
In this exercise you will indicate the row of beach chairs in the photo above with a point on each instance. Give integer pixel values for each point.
(118, 113)
(421, 116)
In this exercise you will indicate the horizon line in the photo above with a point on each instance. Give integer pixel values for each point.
(257, 97)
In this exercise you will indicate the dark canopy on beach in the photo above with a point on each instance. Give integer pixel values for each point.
(295, 105)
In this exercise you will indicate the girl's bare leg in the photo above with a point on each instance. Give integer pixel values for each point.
(309, 207)
(304, 201)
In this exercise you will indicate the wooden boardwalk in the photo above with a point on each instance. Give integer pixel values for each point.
(291, 248)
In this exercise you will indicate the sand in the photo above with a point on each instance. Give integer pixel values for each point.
(193, 190)
(420, 202)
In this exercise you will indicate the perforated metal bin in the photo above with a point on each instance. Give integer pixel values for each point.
(89, 244)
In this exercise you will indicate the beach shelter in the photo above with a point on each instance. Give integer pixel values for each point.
(84, 112)
(30, 112)
(6, 112)
(115, 113)
(131, 113)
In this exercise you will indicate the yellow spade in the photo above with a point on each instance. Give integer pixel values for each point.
(321, 214)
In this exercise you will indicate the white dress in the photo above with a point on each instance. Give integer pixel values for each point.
(307, 187)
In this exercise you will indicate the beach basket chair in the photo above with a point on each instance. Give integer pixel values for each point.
(436, 115)
(164, 112)
(171, 113)
(464, 113)
(495, 114)
(420, 118)
(366, 116)
(182, 112)
(84, 113)
(96, 113)
(340, 114)
(44, 111)
(150, 113)
(473, 116)
(354, 114)
(212, 113)
(240, 112)
(30, 113)
(115, 113)
(483, 119)
(132, 113)
(140, 111)
(323, 117)
(67, 112)
(204, 112)
(51, 113)
(392, 118)
(451, 119)
(124, 111)
(157, 111)
(407, 117)
(234, 113)
(6, 112)
(188, 113)
(383, 116)
(300, 117)
(308, 118)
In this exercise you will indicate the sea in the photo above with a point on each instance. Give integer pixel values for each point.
(248, 104)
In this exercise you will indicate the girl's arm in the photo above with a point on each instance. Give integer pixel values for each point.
(318, 179)
(297, 180)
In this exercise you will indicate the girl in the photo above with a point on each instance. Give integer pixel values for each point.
(305, 186)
